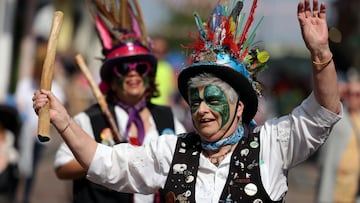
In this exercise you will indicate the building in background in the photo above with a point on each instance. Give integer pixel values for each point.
(7, 11)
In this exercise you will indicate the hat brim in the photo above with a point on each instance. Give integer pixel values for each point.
(237, 81)
(106, 71)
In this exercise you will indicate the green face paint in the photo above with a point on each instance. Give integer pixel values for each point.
(214, 98)
(195, 100)
(145, 80)
(120, 82)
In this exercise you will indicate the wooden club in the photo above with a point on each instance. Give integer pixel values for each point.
(47, 75)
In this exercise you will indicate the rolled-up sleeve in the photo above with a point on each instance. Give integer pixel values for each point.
(310, 126)
(298, 135)
(289, 140)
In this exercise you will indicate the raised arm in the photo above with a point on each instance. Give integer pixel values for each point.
(314, 31)
(82, 145)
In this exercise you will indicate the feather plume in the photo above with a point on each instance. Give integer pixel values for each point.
(124, 15)
(102, 9)
(226, 33)
(118, 21)
(115, 11)
(234, 17)
(199, 25)
(236, 11)
(141, 23)
(240, 25)
(216, 17)
(248, 22)
(135, 26)
(251, 37)
(104, 34)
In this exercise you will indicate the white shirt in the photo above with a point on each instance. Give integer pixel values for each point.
(285, 142)
(64, 154)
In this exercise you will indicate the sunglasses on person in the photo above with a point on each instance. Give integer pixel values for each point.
(143, 68)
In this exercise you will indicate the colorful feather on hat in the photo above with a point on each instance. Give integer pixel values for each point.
(103, 32)
(118, 21)
(234, 17)
(227, 32)
(248, 22)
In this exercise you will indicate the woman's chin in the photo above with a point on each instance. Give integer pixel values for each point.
(209, 137)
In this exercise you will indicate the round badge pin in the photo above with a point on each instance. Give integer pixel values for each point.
(250, 189)
(189, 179)
(254, 144)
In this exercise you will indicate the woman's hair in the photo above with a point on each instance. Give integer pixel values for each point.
(152, 90)
(205, 79)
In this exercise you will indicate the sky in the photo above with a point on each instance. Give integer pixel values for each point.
(279, 28)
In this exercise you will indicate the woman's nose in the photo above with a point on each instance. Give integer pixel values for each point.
(203, 108)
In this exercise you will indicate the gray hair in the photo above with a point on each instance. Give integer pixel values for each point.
(205, 79)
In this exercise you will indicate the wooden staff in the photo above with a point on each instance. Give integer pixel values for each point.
(47, 75)
(100, 98)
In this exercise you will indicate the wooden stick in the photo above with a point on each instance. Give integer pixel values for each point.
(101, 99)
(47, 75)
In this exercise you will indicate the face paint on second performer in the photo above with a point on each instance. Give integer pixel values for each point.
(214, 98)
(120, 81)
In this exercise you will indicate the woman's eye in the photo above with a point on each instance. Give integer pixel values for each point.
(195, 103)
(213, 101)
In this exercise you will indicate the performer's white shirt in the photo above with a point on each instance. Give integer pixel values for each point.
(285, 142)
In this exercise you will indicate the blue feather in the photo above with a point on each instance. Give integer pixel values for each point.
(199, 24)
(216, 17)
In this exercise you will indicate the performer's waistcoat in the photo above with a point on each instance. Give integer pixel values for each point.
(86, 191)
(243, 183)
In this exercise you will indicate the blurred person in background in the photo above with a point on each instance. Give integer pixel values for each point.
(128, 82)
(227, 158)
(10, 123)
(339, 157)
(31, 149)
(165, 78)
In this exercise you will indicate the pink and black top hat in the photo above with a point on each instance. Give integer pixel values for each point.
(123, 37)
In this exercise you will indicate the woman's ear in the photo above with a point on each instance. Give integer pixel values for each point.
(240, 109)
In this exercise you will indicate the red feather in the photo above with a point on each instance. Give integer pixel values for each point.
(229, 39)
(248, 23)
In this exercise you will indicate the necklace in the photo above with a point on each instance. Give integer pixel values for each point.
(216, 160)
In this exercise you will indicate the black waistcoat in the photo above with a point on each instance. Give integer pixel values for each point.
(243, 183)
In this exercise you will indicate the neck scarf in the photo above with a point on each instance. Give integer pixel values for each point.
(233, 139)
(134, 116)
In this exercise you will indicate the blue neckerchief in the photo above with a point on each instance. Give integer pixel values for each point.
(233, 139)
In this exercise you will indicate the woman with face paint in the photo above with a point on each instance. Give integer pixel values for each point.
(216, 113)
(228, 158)
(128, 82)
